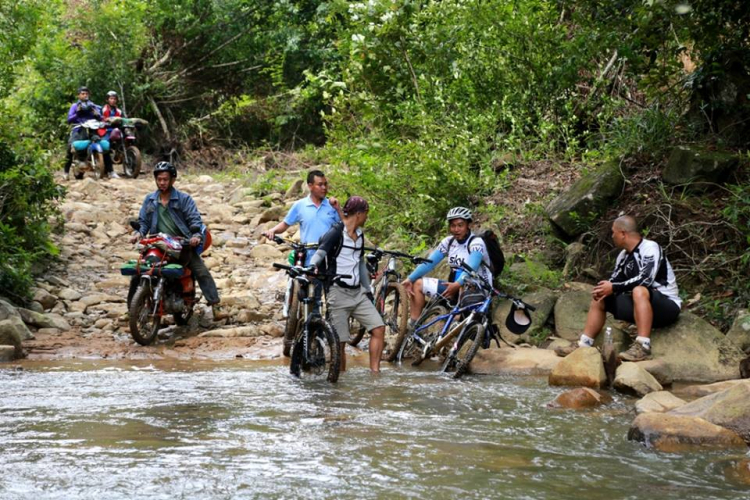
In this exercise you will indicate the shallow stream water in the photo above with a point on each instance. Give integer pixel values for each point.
(79, 430)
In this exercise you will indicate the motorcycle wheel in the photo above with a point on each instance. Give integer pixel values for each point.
(131, 162)
(143, 324)
(97, 162)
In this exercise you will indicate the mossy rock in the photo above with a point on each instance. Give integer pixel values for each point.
(690, 164)
(573, 211)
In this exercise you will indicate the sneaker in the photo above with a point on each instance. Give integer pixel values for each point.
(636, 353)
(66, 176)
(563, 351)
(113, 175)
(219, 312)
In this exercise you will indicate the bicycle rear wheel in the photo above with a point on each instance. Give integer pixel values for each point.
(395, 311)
(467, 346)
(318, 354)
(410, 347)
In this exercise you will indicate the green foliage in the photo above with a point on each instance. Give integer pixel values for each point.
(27, 200)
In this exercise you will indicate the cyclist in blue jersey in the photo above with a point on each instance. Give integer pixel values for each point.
(461, 246)
(315, 213)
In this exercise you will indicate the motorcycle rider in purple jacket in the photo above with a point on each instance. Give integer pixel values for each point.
(81, 111)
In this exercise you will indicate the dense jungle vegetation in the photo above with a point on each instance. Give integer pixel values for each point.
(417, 104)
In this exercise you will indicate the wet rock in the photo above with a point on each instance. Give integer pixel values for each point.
(544, 301)
(45, 298)
(729, 408)
(584, 367)
(632, 379)
(658, 402)
(659, 369)
(580, 398)
(571, 310)
(521, 361)
(698, 391)
(7, 353)
(696, 351)
(667, 432)
(48, 331)
(13, 331)
(739, 333)
(249, 316)
(739, 471)
(687, 164)
(573, 210)
(272, 329)
(69, 294)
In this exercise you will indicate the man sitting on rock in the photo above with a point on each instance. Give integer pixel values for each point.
(174, 213)
(315, 213)
(641, 290)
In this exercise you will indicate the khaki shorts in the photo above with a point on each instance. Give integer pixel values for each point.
(344, 303)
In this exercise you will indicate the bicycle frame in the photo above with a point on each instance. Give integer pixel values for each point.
(449, 330)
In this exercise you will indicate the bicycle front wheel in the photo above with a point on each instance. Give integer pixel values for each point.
(466, 347)
(318, 353)
(292, 318)
(411, 347)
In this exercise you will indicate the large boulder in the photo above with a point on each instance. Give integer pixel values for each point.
(667, 432)
(696, 351)
(658, 402)
(687, 164)
(698, 391)
(514, 361)
(580, 398)
(40, 320)
(571, 310)
(544, 301)
(739, 333)
(573, 210)
(729, 409)
(659, 369)
(583, 367)
(632, 379)
(13, 331)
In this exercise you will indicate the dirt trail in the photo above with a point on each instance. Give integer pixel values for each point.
(85, 288)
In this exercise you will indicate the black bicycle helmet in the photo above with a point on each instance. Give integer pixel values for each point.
(165, 166)
(83, 89)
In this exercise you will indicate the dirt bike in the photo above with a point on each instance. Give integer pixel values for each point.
(165, 286)
(89, 149)
(122, 143)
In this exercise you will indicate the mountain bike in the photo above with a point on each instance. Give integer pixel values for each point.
(315, 348)
(438, 325)
(478, 329)
(390, 299)
(291, 310)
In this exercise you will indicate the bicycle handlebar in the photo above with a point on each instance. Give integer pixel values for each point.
(482, 281)
(312, 274)
(380, 252)
(295, 245)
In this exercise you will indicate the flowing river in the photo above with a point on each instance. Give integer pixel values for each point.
(195, 430)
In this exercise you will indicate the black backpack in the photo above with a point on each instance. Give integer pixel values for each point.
(495, 253)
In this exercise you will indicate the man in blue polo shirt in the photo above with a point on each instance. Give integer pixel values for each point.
(315, 213)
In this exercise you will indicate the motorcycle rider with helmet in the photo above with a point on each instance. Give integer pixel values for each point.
(174, 213)
(81, 111)
(111, 109)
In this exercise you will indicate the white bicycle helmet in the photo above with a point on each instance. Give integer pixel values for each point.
(459, 213)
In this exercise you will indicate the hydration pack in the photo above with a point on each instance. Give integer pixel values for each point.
(494, 252)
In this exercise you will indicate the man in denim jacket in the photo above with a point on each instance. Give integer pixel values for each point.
(174, 213)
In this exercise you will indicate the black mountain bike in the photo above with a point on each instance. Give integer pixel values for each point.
(315, 348)
(390, 297)
(291, 310)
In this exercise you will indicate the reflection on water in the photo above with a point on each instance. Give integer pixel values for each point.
(238, 430)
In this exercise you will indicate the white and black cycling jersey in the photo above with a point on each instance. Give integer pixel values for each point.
(646, 266)
(458, 252)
